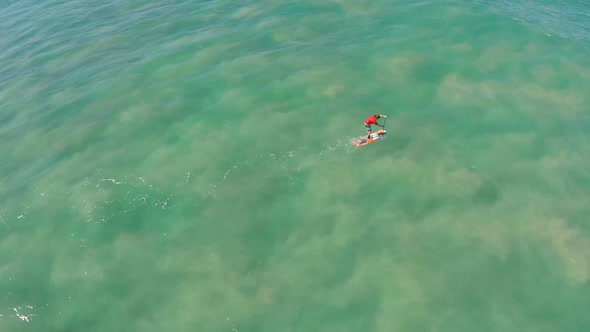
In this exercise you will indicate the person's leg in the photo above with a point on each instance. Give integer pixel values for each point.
(368, 131)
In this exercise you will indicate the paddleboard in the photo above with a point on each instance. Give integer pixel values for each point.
(363, 140)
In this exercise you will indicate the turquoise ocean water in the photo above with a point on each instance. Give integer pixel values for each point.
(187, 166)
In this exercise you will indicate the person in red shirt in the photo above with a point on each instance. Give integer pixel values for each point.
(372, 120)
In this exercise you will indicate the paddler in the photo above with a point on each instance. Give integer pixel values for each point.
(372, 120)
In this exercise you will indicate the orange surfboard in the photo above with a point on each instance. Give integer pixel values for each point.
(363, 140)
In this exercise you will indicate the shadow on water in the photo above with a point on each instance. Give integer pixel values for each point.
(398, 142)
(430, 70)
(487, 194)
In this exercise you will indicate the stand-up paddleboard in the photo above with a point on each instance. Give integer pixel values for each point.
(363, 140)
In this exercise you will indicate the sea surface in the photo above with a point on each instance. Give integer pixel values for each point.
(187, 166)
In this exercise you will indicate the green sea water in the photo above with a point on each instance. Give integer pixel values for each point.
(187, 166)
